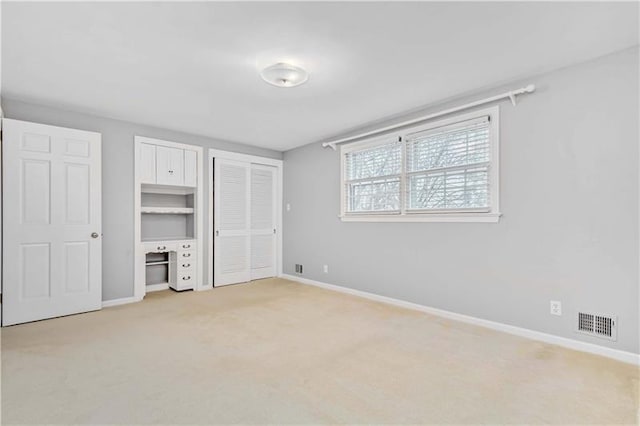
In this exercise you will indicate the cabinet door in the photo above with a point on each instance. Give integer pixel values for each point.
(169, 166)
(190, 168)
(147, 165)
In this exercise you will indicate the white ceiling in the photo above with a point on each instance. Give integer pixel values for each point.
(194, 66)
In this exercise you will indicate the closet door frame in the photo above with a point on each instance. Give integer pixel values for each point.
(253, 159)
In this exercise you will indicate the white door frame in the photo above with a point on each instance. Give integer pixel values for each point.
(254, 159)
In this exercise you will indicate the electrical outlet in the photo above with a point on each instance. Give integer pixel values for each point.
(556, 307)
(288, 207)
(298, 268)
(325, 269)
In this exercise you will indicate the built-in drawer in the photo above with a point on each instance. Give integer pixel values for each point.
(160, 247)
(185, 270)
(183, 265)
(186, 255)
(187, 245)
(164, 246)
(186, 279)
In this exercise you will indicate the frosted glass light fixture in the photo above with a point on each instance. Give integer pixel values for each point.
(284, 75)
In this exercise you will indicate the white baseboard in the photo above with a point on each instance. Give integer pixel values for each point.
(116, 302)
(577, 345)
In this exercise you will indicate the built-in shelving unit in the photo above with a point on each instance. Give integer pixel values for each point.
(169, 206)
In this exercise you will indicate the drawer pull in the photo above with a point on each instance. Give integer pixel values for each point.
(186, 246)
(186, 254)
(186, 265)
(186, 278)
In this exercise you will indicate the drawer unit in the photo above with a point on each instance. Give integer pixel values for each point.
(181, 264)
(184, 275)
(160, 247)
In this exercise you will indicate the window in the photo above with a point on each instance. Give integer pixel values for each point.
(373, 178)
(443, 171)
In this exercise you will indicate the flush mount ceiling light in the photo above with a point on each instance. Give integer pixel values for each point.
(284, 75)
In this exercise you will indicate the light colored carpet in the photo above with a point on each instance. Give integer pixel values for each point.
(274, 351)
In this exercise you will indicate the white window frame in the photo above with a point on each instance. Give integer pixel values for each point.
(491, 216)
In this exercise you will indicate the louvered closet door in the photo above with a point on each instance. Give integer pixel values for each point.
(52, 249)
(263, 220)
(231, 255)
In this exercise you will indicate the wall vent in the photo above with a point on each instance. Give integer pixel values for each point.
(604, 326)
(298, 268)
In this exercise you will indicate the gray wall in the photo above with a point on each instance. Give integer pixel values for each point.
(118, 179)
(569, 195)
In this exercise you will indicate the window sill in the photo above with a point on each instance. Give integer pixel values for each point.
(431, 217)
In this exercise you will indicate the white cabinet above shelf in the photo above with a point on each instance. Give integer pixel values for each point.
(167, 210)
(163, 165)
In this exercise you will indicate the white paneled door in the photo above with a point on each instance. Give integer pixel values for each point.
(231, 248)
(52, 245)
(263, 221)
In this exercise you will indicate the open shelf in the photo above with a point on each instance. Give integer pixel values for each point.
(162, 239)
(165, 262)
(167, 210)
(166, 189)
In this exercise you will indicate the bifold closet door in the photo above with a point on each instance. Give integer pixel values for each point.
(52, 249)
(263, 221)
(232, 229)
